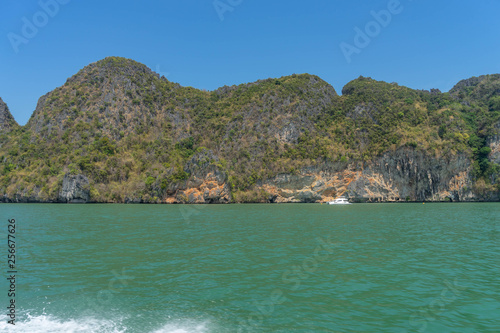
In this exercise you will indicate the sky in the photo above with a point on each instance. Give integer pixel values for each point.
(207, 44)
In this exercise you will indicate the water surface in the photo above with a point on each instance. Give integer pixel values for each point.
(255, 268)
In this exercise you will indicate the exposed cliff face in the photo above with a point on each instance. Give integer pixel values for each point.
(75, 189)
(416, 176)
(7, 122)
(207, 182)
(494, 143)
(403, 175)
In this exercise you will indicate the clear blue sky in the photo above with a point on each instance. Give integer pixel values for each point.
(427, 44)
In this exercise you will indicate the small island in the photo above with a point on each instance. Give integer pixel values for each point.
(117, 132)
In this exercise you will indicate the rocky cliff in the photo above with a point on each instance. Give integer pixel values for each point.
(494, 143)
(118, 132)
(7, 122)
(207, 182)
(75, 189)
(399, 176)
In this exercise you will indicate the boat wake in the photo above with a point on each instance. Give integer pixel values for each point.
(47, 323)
(188, 328)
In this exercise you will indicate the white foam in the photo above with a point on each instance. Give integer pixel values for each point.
(183, 328)
(48, 324)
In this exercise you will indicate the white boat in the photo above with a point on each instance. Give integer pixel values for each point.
(340, 201)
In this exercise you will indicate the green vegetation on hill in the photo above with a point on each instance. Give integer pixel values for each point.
(132, 133)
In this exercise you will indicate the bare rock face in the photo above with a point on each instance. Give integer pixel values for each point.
(403, 175)
(412, 175)
(75, 189)
(494, 143)
(7, 122)
(207, 182)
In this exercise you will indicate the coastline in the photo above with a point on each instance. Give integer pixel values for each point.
(234, 203)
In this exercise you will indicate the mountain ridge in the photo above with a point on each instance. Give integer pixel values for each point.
(130, 135)
(117, 61)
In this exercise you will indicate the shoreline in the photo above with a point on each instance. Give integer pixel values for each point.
(237, 203)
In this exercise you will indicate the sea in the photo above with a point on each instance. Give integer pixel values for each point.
(408, 267)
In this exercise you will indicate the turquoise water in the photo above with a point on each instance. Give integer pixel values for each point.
(255, 268)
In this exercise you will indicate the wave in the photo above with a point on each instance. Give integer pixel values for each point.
(183, 328)
(47, 323)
